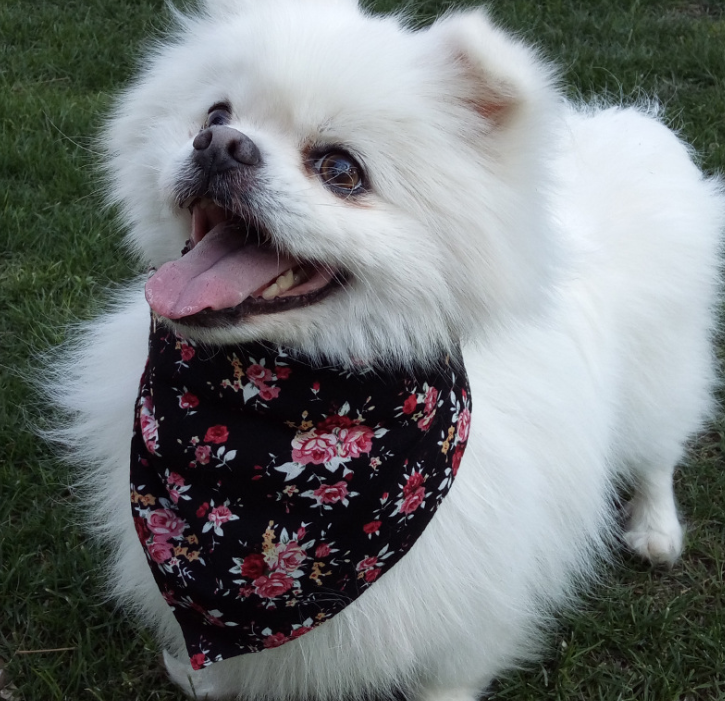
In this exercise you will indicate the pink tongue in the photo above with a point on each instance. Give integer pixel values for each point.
(219, 272)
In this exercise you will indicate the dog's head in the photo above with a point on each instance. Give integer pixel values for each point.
(348, 185)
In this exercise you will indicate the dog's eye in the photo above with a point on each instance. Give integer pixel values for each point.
(218, 114)
(340, 172)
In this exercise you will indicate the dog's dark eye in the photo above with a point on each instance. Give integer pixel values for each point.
(340, 172)
(218, 114)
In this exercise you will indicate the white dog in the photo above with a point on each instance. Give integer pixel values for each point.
(417, 189)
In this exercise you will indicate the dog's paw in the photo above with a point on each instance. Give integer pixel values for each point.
(654, 534)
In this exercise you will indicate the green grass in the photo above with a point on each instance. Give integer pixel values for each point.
(641, 635)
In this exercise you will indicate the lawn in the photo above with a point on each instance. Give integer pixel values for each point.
(641, 635)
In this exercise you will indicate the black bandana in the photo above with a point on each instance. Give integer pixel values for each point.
(269, 493)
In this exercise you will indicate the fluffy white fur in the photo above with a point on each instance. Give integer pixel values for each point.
(575, 252)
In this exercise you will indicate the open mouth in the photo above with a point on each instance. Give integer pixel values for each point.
(230, 270)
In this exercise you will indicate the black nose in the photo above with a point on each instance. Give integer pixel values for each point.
(219, 148)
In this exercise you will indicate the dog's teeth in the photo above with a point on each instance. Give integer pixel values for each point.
(299, 276)
(286, 281)
(271, 292)
(283, 283)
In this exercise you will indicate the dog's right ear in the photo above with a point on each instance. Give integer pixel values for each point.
(497, 75)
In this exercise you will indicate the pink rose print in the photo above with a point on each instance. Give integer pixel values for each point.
(159, 550)
(282, 372)
(221, 514)
(149, 425)
(456, 460)
(297, 632)
(201, 511)
(367, 563)
(356, 441)
(312, 448)
(197, 661)
(276, 584)
(253, 566)
(372, 575)
(322, 550)
(188, 401)
(289, 556)
(331, 493)
(409, 404)
(142, 530)
(275, 640)
(464, 425)
(202, 454)
(431, 397)
(255, 372)
(258, 375)
(175, 479)
(372, 527)
(266, 393)
(164, 522)
(412, 483)
(413, 501)
(216, 434)
(217, 517)
(187, 352)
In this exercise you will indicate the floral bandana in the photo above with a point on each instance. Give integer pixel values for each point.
(269, 493)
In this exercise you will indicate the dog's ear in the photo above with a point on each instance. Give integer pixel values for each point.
(498, 75)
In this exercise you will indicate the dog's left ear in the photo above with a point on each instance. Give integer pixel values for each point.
(498, 75)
